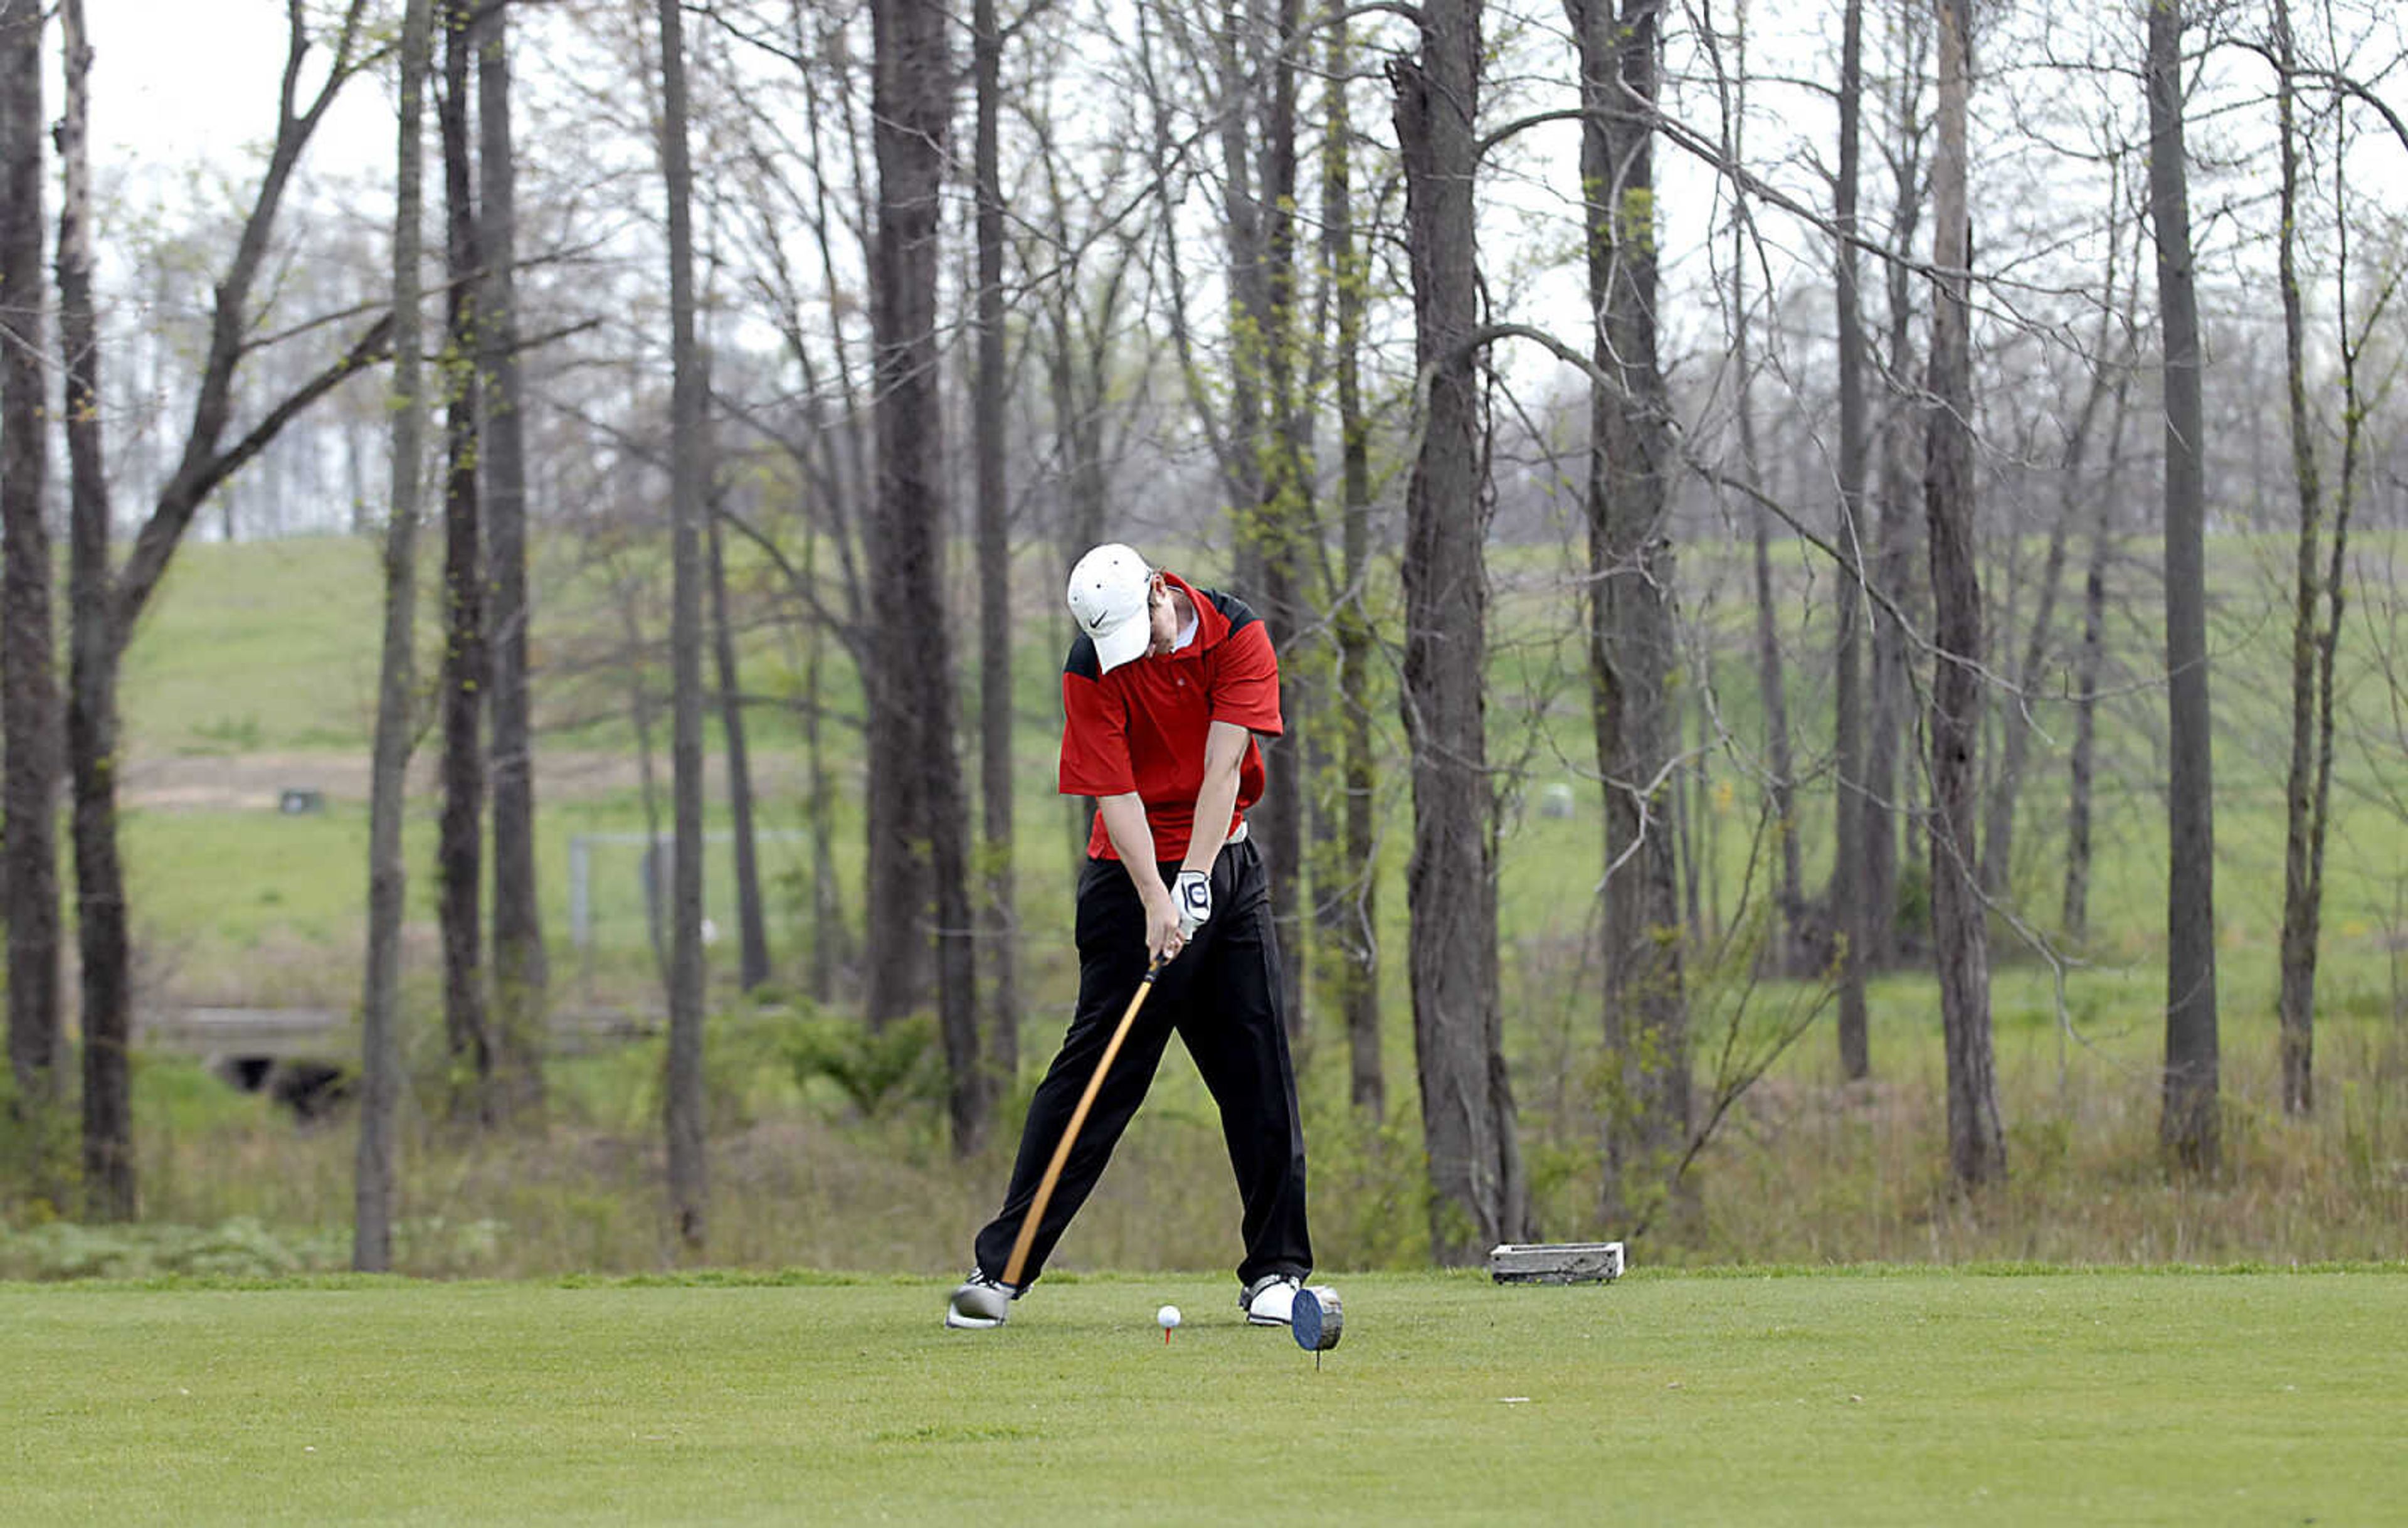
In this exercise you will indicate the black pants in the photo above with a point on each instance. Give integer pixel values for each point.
(1222, 995)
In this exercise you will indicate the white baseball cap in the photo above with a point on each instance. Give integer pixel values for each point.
(1108, 598)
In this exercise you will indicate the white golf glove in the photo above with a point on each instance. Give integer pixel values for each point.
(1194, 894)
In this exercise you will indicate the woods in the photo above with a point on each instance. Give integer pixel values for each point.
(1695, 463)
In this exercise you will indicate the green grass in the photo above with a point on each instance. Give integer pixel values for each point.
(2189, 1397)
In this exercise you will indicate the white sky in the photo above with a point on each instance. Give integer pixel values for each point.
(182, 84)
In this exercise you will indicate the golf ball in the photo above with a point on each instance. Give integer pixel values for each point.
(1166, 1317)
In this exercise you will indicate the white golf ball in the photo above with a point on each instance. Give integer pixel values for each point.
(1166, 1317)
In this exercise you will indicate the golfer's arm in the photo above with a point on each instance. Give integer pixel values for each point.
(1224, 750)
(1125, 824)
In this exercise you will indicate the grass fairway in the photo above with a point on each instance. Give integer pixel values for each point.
(1911, 1398)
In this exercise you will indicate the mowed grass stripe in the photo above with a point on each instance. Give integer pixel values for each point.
(2183, 1398)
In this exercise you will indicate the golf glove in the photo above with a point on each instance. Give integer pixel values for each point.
(1193, 895)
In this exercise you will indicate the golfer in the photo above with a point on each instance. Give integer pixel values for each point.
(1164, 692)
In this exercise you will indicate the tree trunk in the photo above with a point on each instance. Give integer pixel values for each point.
(521, 970)
(1351, 904)
(2301, 905)
(91, 692)
(381, 1048)
(689, 1179)
(1977, 1150)
(2189, 1127)
(919, 825)
(1632, 652)
(460, 861)
(1849, 916)
(998, 903)
(2318, 593)
(1781, 769)
(1479, 1195)
(1287, 520)
(1900, 516)
(29, 700)
(1772, 688)
(2075, 913)
(752, 925)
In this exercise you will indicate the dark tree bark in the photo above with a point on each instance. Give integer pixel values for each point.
(460, 861)
(752, 925)
(381, 1048)
(1977, 1149)
(2302, 891)
(1481, 1196)
(1772, 686)
(2317, 595)
(1286, 522)
(1261, 451)
(1899, 515)
(1632, 652)
(1849, 916)
(919, 823)
(2188, 1128)
(689, 1180)
(29, 700)
(521, 970)
(92, 718)
(1350, 905)
(997, 904)
(2080, 762)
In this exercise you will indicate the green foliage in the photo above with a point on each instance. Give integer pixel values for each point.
(877, 1070)
(240, 1247)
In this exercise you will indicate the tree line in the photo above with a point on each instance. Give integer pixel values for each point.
(1361, 300)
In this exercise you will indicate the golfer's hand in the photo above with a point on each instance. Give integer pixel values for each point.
(1193, 895)
(1163, 940)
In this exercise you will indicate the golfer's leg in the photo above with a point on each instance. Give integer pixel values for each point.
(1112, 963)
(1233, 1027)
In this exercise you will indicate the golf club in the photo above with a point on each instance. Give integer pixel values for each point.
(1070, 1132)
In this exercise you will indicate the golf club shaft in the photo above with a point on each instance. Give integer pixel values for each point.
(1020, 1243)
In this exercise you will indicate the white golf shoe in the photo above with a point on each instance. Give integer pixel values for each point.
(980, 1302)
(1270, 1300)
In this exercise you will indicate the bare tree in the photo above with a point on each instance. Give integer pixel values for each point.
(919, 827)
(2108, 379)
(2318, 593)
(1479, 1193)
(205, 460)
(29, 702)
(752, 925)
(1899, 442)
(460, 861)
(1632, 651)
(998, 921)
(1851, 919)
(1977, 1150)
(689, 1172)
(520, 969)
(2189, 1127)
(380, 1051)
(1349, 897)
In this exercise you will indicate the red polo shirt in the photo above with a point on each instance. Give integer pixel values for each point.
(1141, 728)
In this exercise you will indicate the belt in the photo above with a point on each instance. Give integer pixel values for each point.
(1237, 834)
